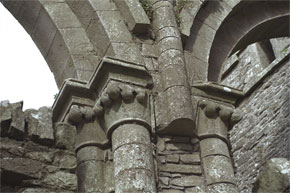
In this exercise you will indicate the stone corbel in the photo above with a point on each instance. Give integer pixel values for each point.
(214, 121)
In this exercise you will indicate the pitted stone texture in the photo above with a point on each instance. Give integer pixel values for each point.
(135, 181)
(253, 139)
(197, 189)
(179, 168)
(210, 124)
(40, 125)
(222, 188)
(275, 176)
(133, 160)
(12, 120)
(213, 146)
(90, 177)
(65, 135)
(131, 105)
(187, 181)
(126, 136)
(90, 153)
(62, 179)
(218, 169)
(134, 14)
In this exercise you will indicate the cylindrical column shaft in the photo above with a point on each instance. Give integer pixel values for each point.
(90, 170)
(133, 159)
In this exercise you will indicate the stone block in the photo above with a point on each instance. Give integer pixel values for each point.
(65, 161)
(65, 135)
(109, 177)
(62, 15)
(149, 50)
(190, 158)
(174, 75)
(39, 125)
(223, 187)
(115, 28)
(179, 168)
(187, 181)
(90, 176)
(129, 52)
(25, 168)
(169, 43)
(42, 190)
(90, 153)
(61, 180)
(218, 169)
(174, 158)
(28, 15)
(214, 146)
(76, 40)
(45, 157)
(164, 180)
(101, 5)
(134, 14)
(179, 146)
(44, 32)
(137, 156)
(98, 36)
(145, 179)
(197, 189)
(171, 191)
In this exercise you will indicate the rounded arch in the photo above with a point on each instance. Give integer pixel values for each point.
(59, 36)
(249, 22)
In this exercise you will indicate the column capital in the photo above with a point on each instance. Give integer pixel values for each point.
(216, 118)
(122, 103)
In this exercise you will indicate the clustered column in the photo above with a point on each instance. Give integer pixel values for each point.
(125, 114)
(213, 125)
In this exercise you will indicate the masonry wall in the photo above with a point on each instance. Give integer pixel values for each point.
(35, 156)
(264, 131)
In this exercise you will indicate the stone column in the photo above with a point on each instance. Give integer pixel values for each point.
(213, 125)
(89, 139)
(125, 114)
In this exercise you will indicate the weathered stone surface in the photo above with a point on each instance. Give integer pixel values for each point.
(12, 120)
(90, 177)
(218, 169)
(27, 168)
(222, 188)
(65, 161)
(172, 158)
(197, 189)
(40, 125)
(42, 190)
(46, 157)
(179, 168)
(275, 176)
(63, 180)
(190, 158)
(65, 135)
(187, 181)
(90, 153)
(134, 14)
(213, 146)
(179, 146)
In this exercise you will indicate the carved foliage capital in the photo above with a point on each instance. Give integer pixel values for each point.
(80, 114)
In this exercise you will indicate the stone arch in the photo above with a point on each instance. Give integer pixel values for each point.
(221, 27)
(59, 36)
(250, 22)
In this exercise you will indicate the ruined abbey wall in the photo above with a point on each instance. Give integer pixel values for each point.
(155, 96)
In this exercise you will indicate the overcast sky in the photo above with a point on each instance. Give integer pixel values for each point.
(24, 74)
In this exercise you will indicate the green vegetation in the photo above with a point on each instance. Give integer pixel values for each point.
(146, 4)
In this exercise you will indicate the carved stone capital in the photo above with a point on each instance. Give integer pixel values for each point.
(121, 103)
(215, 119)
(80, 114)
